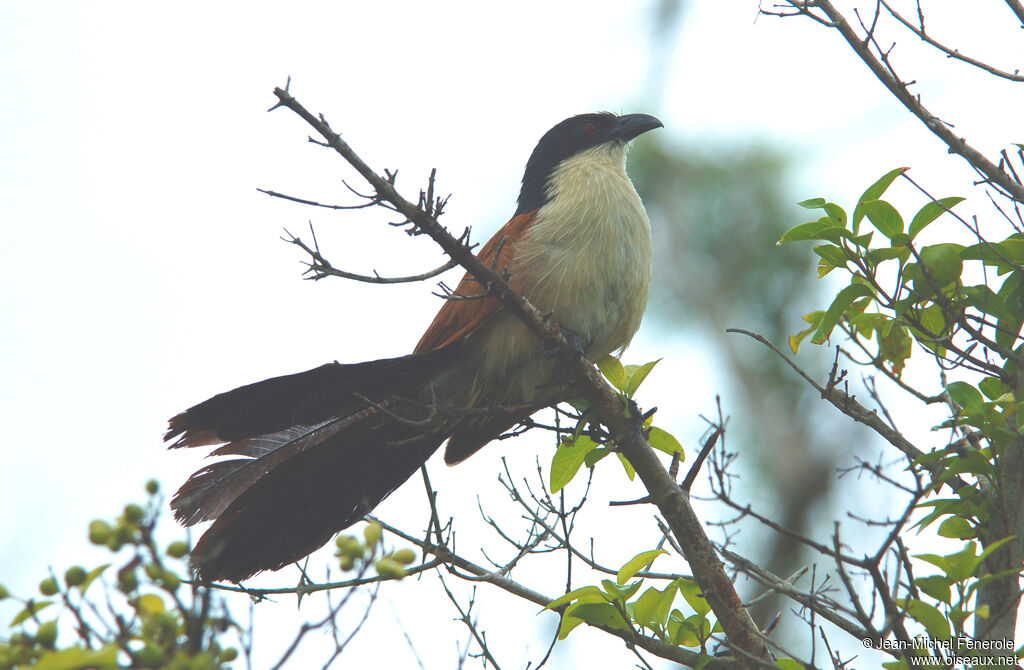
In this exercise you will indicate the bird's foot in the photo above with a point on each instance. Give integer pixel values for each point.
(574, 348)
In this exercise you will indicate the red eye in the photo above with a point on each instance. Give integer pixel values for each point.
(589, 128)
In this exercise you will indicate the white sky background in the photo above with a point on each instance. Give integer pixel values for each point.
(141, 271)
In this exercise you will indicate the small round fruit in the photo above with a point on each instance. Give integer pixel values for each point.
(387, 567)
(99, 531)
(373, 533)
(134, 513)
(75, 576)
(48, 587)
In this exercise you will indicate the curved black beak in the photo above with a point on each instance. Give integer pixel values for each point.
(631, 126)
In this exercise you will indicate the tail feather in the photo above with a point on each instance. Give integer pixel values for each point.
(296, 507)
(208, 492)
(306, 398)
(319, 449)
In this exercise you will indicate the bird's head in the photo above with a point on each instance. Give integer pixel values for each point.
(575, 135)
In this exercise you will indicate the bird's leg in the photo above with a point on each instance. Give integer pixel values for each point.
(566, 353)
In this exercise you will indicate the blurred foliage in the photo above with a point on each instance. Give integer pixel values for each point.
(136, 611)
(143, 609)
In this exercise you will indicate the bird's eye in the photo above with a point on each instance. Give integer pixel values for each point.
(589, 128)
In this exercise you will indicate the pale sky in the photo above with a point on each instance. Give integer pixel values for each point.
(142, 271)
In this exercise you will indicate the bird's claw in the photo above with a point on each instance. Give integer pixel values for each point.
(567, 354)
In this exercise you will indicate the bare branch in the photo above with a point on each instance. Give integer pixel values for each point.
(949, 51)
(884, 72)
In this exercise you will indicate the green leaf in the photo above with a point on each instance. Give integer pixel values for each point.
(639, 562)
(864, 240)
(956, 527)
(636, 374)
(664, 441)
(896, 347)
(1003, 255)
(994, 546)
(584, 594)
(823, 229)
(837, 308)
(621, 593)
(613, 371)
(567, 461)
(594, 455)
(795, 340)
(993, 388)
(91, 577)
(626, 465)
(963, 563)
(836, 213)
(568, 623)
(32, 608)
(929, 617)
(936, 586)
(813, 203)
(933, 320)
(651, 609)
(599, 614)
(691, 592)
(938, 561)
(884, 217)
(789, 664)
(966, 396)
(874, 192)
(888, 253)
(1012, 295)
(682, 633)
(930, 212)
(832, 254)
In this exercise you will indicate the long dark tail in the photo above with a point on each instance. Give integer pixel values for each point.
(313, 453)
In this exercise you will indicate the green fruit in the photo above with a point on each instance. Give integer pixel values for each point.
(228, 655)
(373, 533)
(152, 486)
(127, 581)
(347, 562)
(349, 545)
(170, 580)
(134, 513)
(48, 587)
(404, 556)
(99, 531)
(177, 549)
(47, 634)
(75, 576)
(387, 567)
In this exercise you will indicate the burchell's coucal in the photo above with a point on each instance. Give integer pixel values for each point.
(313, 452)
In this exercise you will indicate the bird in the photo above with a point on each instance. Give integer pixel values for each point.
(310, 454)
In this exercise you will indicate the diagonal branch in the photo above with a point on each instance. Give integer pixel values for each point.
(673, 503)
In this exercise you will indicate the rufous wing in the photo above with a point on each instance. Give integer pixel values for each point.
(464, 314)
